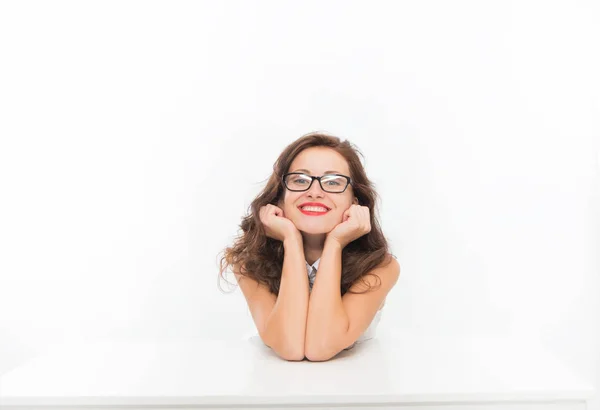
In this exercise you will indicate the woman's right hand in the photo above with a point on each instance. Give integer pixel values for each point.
(277, 226)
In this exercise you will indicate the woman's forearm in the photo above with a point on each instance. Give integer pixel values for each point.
(326, 318)
(286, 326)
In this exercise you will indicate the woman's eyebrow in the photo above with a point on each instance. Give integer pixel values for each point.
(326, 172)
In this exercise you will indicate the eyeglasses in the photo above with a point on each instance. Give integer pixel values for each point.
(333, 183)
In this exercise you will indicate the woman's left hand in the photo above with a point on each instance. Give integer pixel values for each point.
(356, 222)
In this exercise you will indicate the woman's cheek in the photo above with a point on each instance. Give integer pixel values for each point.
(338, 217)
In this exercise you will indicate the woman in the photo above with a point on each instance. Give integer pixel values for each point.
(316, 212)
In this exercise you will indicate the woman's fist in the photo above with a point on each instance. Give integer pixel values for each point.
(356, 222)
(277, 226)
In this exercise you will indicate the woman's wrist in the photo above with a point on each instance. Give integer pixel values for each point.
(330, 241)
(293, 238)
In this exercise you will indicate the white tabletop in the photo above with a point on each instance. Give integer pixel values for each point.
(392, 369)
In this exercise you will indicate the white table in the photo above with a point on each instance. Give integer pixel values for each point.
(390, 371)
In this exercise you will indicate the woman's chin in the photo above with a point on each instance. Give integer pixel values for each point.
(313, 227)
(314, 230)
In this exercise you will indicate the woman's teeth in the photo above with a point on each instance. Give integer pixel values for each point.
(314, 209)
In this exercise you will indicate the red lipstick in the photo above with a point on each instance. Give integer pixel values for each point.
(313, 213)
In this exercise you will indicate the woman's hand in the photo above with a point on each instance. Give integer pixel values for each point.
(277, 226)
(356, 222)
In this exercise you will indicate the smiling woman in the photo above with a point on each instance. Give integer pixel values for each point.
(316, 213)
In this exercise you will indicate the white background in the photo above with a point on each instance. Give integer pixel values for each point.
(134, 136)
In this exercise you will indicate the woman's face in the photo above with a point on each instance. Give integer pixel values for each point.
(316, 161)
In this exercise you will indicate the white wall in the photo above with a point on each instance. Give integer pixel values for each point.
(123, 125)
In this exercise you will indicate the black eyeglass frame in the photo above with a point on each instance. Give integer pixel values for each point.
(348, 182)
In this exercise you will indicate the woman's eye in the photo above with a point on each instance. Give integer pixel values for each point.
(333, 182)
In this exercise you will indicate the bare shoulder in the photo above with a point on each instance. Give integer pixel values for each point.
(259, 298)
(391, 269)
(249, 285)
(388, 270)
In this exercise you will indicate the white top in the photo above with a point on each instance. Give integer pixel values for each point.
(369, 333)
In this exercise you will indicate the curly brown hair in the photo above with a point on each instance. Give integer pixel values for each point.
(261, 257)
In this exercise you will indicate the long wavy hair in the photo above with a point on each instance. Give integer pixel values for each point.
(259, 257)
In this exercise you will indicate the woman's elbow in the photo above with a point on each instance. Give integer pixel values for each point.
(294, 358)
(292, 355)
(320, 356)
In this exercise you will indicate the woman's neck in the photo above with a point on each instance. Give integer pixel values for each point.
(313, 246)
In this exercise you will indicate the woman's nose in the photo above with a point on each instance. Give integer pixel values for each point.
(315, 188)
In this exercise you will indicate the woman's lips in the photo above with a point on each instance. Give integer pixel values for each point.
(312, 213)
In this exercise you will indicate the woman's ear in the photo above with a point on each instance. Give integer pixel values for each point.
(355, 201)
